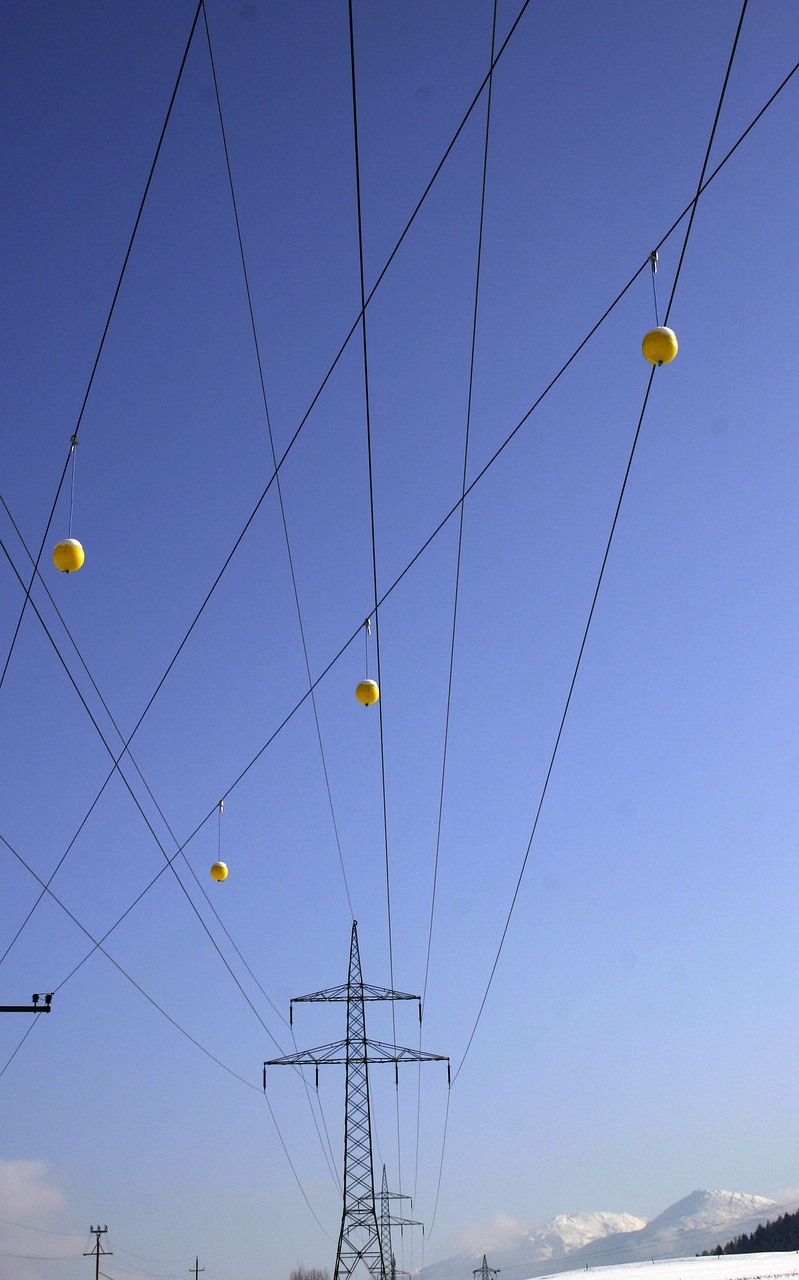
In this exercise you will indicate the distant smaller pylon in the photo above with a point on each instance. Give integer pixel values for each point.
(485, 1272)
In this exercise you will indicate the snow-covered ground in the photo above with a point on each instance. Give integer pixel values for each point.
(740, 1266)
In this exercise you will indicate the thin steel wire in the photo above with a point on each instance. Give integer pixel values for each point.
(622, 491)
(278, 486)
(107, 326)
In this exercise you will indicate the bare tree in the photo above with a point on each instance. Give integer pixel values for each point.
(301, 1272)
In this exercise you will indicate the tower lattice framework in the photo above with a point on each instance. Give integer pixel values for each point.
(360, 1238)
(485, 1272)
(389, 1220)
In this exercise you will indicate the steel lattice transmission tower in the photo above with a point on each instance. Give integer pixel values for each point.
(360, 1238)
(389, 1220)
(485, 1272)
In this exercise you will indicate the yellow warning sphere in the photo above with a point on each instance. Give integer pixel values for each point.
(367, 693)
(68, 556)
(660, 345)
(219, 871)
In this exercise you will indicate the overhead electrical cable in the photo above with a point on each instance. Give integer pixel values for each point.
(28, 1030)
(98, 946)
(322, 385)
(180, 848)
(42, 1257)
(74, 437)
(693, 208)
(169, 863)
(695, 200)
(504, 444)
(456, 592)
(293, 1170)
(160, 1009)
(376, 612)
(461, 509)
(367, 410)
(278, 485)
(136, 801)
(156, 1262)
(493, 457)
(600, 577)
(456, 506)
(491, 460)
(327, 1149)
(44, 1231)
(444, 521)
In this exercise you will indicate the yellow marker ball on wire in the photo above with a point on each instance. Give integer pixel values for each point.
(219, 871)
(68, 556)
(367, 692)
(660, 345)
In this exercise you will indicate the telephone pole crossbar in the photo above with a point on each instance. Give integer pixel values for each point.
(29, 1008)
(360, 1238)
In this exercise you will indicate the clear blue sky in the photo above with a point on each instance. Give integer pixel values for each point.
(636, 1039)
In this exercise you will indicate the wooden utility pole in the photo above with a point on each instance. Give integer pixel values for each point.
(196, 1269)
(98, 1252)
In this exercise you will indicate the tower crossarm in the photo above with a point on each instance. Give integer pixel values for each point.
(377, 1051)
(339, 1053)
(323, 1054)
(392, 1218)
(358, 990)
(405, 1222)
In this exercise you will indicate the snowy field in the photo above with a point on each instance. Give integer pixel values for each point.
(741, 1266)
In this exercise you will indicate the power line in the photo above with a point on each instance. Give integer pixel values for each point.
(321, 387)
(596, 593)
(98, 946)
(274, 460)
(74, 437)
(783, 84)
(371, 495)
(695, 200)
(134, 797)
(457, 584)
(461, 508)
(169, 863)
(30, 1027)
(456, 506)
(374, 565)
(45, 1231)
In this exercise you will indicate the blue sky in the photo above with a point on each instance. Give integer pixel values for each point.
(633, 1044)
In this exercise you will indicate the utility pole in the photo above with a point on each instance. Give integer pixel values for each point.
(359, 1238)
(29, 1008)
(98, 1252)
(196, 1269)
(485, 1272)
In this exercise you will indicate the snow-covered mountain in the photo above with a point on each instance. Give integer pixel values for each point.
(568, 1242)
(699, 1221)
(567, 1233)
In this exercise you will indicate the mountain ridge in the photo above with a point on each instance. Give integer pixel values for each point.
(567, 1242)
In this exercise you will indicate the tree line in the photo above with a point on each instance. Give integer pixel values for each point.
(779, 1236)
